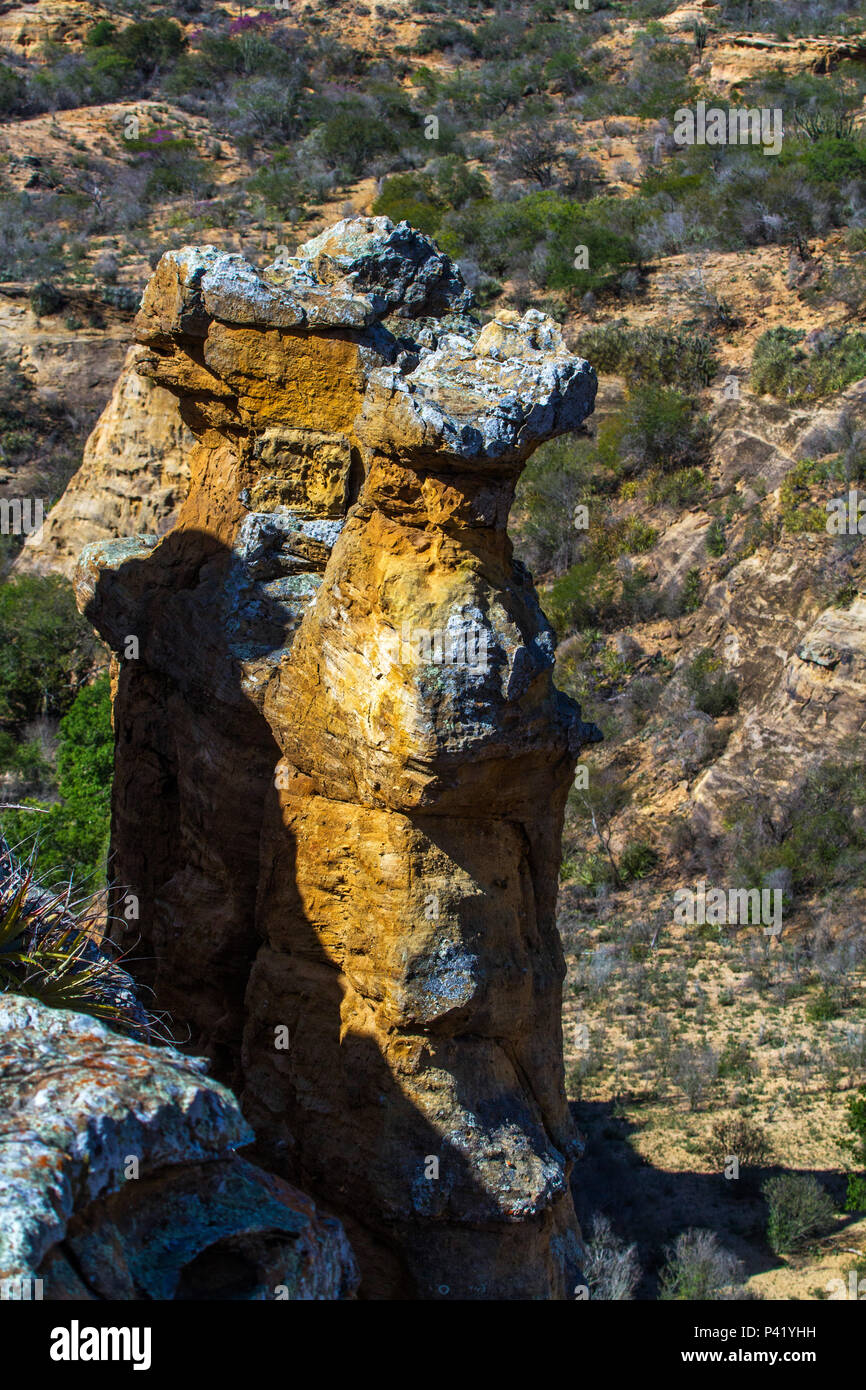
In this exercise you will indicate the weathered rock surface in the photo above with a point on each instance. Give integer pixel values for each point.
(341, 761)
(119, 1177)
(133, 476)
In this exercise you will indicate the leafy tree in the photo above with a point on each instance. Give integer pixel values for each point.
(46, 648)
(73, 836)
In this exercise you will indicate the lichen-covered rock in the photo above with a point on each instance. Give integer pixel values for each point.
(341, 760)
(119, 1177)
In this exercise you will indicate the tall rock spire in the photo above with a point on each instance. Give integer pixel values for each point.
(342, 763)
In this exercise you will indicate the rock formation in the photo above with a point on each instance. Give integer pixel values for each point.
(133, 476)
(119, 1177)
(341, 760)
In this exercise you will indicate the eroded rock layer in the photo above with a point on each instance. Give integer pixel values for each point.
(133, 476)
(341, 760)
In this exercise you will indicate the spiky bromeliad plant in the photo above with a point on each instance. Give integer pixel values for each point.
(53, 949)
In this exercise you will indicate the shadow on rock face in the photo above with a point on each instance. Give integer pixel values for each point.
(382, 1071)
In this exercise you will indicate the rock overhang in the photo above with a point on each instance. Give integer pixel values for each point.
(431, 379)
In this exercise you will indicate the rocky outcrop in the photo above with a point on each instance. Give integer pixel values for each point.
(119, 1177)
(133, 476)
(341, 761)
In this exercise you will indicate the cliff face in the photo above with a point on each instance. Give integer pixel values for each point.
(341, 761)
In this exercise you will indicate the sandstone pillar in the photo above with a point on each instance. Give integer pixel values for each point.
(341, 760)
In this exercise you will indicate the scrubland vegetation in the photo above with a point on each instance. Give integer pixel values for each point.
(515, 134)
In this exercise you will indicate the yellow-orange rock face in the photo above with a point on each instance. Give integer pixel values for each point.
(341, 760)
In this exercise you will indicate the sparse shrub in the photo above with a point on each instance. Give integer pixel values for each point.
(823, 1007)
(799, 1211)
(738, 1136)
(684, 488)
(694, 1071)
(713, 690)
(659, 428)
(611, 1267)
(106, 267)
(638, 860)
(589, 1063)
(46, 299)
(697, 1267)
(736, 1059)
(822, 840)
(797, 510)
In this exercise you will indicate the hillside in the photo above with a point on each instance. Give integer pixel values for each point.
(707, 620)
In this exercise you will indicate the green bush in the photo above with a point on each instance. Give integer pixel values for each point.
(797, 510)
(681, 489)
(46, 648)
(13, 92)
(423, 198)
(638, 860)
(655, 356)
(799, 1211)
(716, 543)
(147, 45)
(658, 428)
(836, 161)
(280, 186)
(781, 368)
(690, 593)
(102, 32)
(353, 136)
(412, 198)
(46, 299)
(823, 1007)
(713, 691)
(434, 38)
(73, 836)
(501, 236)
(581, 596)
(855, 1199)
